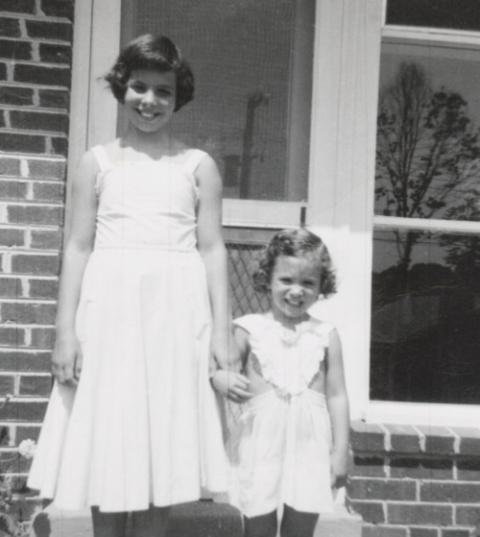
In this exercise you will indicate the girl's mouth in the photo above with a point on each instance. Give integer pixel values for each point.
(147, 115)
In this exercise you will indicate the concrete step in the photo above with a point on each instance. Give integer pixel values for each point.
(196, 519)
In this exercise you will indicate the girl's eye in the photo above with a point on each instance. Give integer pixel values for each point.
(309, 283)
(286, 280)
(164, 92)
(138, 87)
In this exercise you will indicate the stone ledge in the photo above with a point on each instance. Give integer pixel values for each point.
(437, 441)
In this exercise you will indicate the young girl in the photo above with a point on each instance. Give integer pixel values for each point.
(132, 424)
(282, 451)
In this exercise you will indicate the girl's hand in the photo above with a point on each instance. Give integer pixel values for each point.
(338, 468)
(67, 359)
(233, 386)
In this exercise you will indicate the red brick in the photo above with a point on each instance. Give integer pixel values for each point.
(419, 514)
(368, 466)
(382, 489)
(450, 492)
(34, 214)
(36, 264)
(53, 192)
(9, 166)
(372, 512)
(469, 440)
(456, 533)
(383, 531)
(27, 313)
(13, 190)
(54, 98)
(5, 435)
(403, 439)
(49, 30)
(48, 239)
(37, 74)
(423, 532)
(7, 385)
(25, 432)
(43, 338)
(18, 6)
(15, 50)
(47, 169)
(12, 336)
(39, 121)
(11, 237)
(467, 515)
(22, 143)
(25, 361)
(10, 287)
(60, 146)
(58, 8)
(9, 27)
(35, 385)
(22, 411)
(16, 464)
(421, 468)
(43, 288)
(468, 469)
(438, 440)
(367, 437)
(55, 53)
(16, 95)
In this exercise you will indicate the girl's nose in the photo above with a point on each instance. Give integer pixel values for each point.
(296, 290)
(148, 97)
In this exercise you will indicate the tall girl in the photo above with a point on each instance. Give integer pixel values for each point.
(132, 424)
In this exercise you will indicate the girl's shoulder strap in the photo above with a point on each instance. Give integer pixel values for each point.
(102, 158)
(195, 156)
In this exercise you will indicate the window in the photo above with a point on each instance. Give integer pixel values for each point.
(425, 319)
(252, 63)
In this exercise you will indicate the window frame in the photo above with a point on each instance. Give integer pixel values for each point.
(424, 413)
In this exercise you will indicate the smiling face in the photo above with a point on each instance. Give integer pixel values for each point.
(150, 99)
(294, 287)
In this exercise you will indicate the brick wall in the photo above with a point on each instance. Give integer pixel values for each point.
(35, 58)
(416, 481)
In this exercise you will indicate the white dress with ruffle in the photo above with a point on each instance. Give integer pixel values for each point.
(280, 451)
(142, 427)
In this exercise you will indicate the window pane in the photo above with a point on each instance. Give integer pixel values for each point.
(428, 146)
(253, 68)
(425, 331)
(454, 14)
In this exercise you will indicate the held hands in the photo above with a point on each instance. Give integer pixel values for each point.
(67, 359)
(338, 468)
(231, 385)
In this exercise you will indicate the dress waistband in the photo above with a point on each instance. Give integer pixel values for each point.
(144, 247)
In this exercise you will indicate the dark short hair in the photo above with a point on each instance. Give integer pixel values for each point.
(151, 52)
(297, 243)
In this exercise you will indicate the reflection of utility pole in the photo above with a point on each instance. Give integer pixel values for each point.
(255, 99)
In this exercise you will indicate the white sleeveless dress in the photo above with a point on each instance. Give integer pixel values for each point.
(280, 448)
(142, 427)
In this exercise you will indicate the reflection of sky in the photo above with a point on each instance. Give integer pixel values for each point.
(456, 69)
(453, 69)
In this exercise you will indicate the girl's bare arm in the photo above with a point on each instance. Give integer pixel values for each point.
(213, 252)
(66, 358)
(337, 401)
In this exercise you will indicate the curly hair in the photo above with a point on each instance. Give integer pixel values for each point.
(151, 52)
(297, 243)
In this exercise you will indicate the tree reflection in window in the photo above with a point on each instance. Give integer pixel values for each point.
(426, 286)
